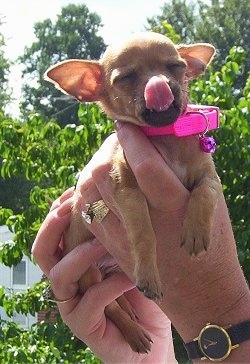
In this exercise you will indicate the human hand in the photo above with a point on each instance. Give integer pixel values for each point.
(85, 314)
(196, 290)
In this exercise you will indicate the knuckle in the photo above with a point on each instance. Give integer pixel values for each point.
(56, 277)
(144, 168)
(102, 172)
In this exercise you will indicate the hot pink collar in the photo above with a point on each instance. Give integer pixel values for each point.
(198, 120)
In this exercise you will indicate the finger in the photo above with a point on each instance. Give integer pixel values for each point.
(112, 234)
(82, 202)
(108, 231)
(102, 165)
(87, 189)
(64, 276)
(95, 184)
(147, 165)
(109, 289)
(66, 194)
(99, 165)
(46, 250)
(101, 159)
(97, 298)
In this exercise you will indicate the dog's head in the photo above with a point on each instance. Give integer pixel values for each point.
(143, 81)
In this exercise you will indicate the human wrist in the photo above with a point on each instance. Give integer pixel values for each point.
(217, 343)
(209, 288)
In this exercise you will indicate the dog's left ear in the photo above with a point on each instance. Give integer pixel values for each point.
(79, 78)
(197, 56)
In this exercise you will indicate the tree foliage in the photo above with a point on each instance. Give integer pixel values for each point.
(42, 345)
(49, 341)
(4, 72)
(223, 23)
(73, 35)
(50, 156)
(181, 15)
(233, 155)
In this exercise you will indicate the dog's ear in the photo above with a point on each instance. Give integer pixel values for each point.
(197, 56)
(81, 79)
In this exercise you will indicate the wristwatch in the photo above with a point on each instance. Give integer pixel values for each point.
(216, 343)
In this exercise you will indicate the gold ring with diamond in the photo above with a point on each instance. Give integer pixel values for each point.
(96, 210)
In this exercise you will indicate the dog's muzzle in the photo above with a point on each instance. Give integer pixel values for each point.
(96, 210)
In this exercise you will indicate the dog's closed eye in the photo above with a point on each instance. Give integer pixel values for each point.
(175, 65)
(123, 77)
(176, 68)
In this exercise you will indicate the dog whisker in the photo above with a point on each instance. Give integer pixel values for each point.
(133, 100)
(117, 98)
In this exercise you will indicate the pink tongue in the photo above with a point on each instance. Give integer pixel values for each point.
(158, 95)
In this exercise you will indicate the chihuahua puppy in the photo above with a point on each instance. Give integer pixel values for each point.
(144, 81)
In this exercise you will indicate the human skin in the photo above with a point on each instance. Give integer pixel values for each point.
(85, 314)
(196, 290)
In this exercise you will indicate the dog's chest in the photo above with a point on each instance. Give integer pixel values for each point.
(180, 154)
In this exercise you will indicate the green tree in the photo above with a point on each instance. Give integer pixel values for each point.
(223, 23)
(73, 35)
(181, 15)
(14, 193)
(6, 188)
(226, 24)
(47, 155)
(4, 72)
(232, 158)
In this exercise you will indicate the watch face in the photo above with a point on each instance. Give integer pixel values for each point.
(215, 343)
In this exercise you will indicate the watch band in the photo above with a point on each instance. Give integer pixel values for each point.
(193, 350)
(240, 332)
(237, 333)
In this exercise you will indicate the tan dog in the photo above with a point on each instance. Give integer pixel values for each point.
(144, 81)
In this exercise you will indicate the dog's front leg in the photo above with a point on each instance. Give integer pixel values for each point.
(136, 219)
(199, 216)
(133, 208)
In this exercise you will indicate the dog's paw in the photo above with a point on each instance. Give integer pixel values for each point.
(195, 237)
(150, 285)
(138, 339)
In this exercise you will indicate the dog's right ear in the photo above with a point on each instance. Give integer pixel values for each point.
(197, 56)
(81, 79)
